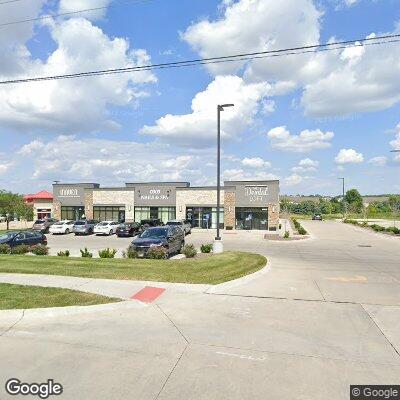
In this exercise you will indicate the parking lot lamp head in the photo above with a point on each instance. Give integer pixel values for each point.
(218, 247)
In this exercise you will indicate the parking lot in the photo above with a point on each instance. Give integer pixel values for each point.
(324, 316)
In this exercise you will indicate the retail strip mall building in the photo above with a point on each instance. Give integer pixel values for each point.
(244, 204)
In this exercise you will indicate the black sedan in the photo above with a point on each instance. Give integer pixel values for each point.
(172, 239)
(29, 238)
(129, 229)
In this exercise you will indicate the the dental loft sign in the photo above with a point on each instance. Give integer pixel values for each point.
(256, 194)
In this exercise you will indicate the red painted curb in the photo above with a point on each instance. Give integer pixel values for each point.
(148, 294)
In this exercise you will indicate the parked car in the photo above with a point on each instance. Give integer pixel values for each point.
(170, 237)
(148, 223)
(317, 217)
(43, 225)
(64, 227)
(106, 228)
(184, 225)
(129, 229)
(29, 238)
(84, 227)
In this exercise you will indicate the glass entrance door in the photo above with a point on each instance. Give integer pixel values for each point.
(252, 218)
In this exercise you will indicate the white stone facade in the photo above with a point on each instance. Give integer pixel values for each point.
(195, 197)
(116, 198)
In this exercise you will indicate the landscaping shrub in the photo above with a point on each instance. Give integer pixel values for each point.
(39, 250)
(206, 248)
(298, 227)
(107, 253)
(63, 253)
(286, 235)
(21, 249)
(378, 228)
(157, 253)
(130, 253)
(5, 249)
(351, 221)
(394, 230)
(86, 253)
(189, 251)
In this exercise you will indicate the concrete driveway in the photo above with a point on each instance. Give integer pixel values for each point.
(325, 316)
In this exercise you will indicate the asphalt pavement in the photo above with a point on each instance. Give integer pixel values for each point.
(325, 315)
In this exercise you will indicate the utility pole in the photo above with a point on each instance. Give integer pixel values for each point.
(343, 200)
(218, 246)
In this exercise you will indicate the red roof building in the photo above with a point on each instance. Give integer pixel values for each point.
(42, 203)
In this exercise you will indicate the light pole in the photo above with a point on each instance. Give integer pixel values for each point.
(343, 201)
(218, 246)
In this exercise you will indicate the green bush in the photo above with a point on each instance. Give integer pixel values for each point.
(206, 248)
(130, 253)
(5, 249)
(107, 253)
(351, 221)
(189, 251)
(286, 235)
(302, 231)
(63, 253)
(39, 250)
(86, 253)
(157, 253)
(378, 228)
(298, 227)
(21, 249)
(393, 229)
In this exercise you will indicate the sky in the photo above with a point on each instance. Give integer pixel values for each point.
(303, 119)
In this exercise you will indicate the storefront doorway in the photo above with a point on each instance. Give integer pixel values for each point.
(251, 218)
(204, 217)
(72, 213)
(165, 214)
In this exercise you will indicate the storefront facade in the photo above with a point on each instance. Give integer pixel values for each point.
(251, 205)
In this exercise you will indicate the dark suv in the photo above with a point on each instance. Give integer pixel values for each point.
(84, 227)
(170, 237)
(129, 229)
(148, 223)
(29, 238)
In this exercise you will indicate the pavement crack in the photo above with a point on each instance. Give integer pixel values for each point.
(316, 284)
(173, 323)
(14, 324)
(380, 330)
(172, 371)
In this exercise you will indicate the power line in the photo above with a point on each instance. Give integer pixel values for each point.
(373, 41)
(10, 1)
(22, 21)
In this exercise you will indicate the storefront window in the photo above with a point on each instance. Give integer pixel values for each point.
(205, 217)
(72, 213)
(109, 213)
(165, 214)
(252, 218)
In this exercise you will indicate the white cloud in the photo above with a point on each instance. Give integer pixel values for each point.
(306, 165)
(199, 127)
(67, 6)
(348, 156)
(4, 168)
(238, 174)
(76, 104)
(293, 180)
(306, 141)
(395, 144)
(255, 162)
(379, 161)
(271, 25)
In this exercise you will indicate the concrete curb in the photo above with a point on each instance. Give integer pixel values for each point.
(240, 281)
(73, 310)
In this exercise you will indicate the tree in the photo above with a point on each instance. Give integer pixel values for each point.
(13, 205)
(354, 201)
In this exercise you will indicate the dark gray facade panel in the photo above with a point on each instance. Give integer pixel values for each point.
(155, 195)
(72, 194)
(256, 194)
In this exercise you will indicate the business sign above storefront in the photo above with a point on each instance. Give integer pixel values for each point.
(256, 194)
(71, 195)
(146, 195)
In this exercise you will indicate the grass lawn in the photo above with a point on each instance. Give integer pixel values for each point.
(212, 270)
(23, 297)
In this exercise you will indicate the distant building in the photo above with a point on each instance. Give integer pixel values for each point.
(42, 203)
